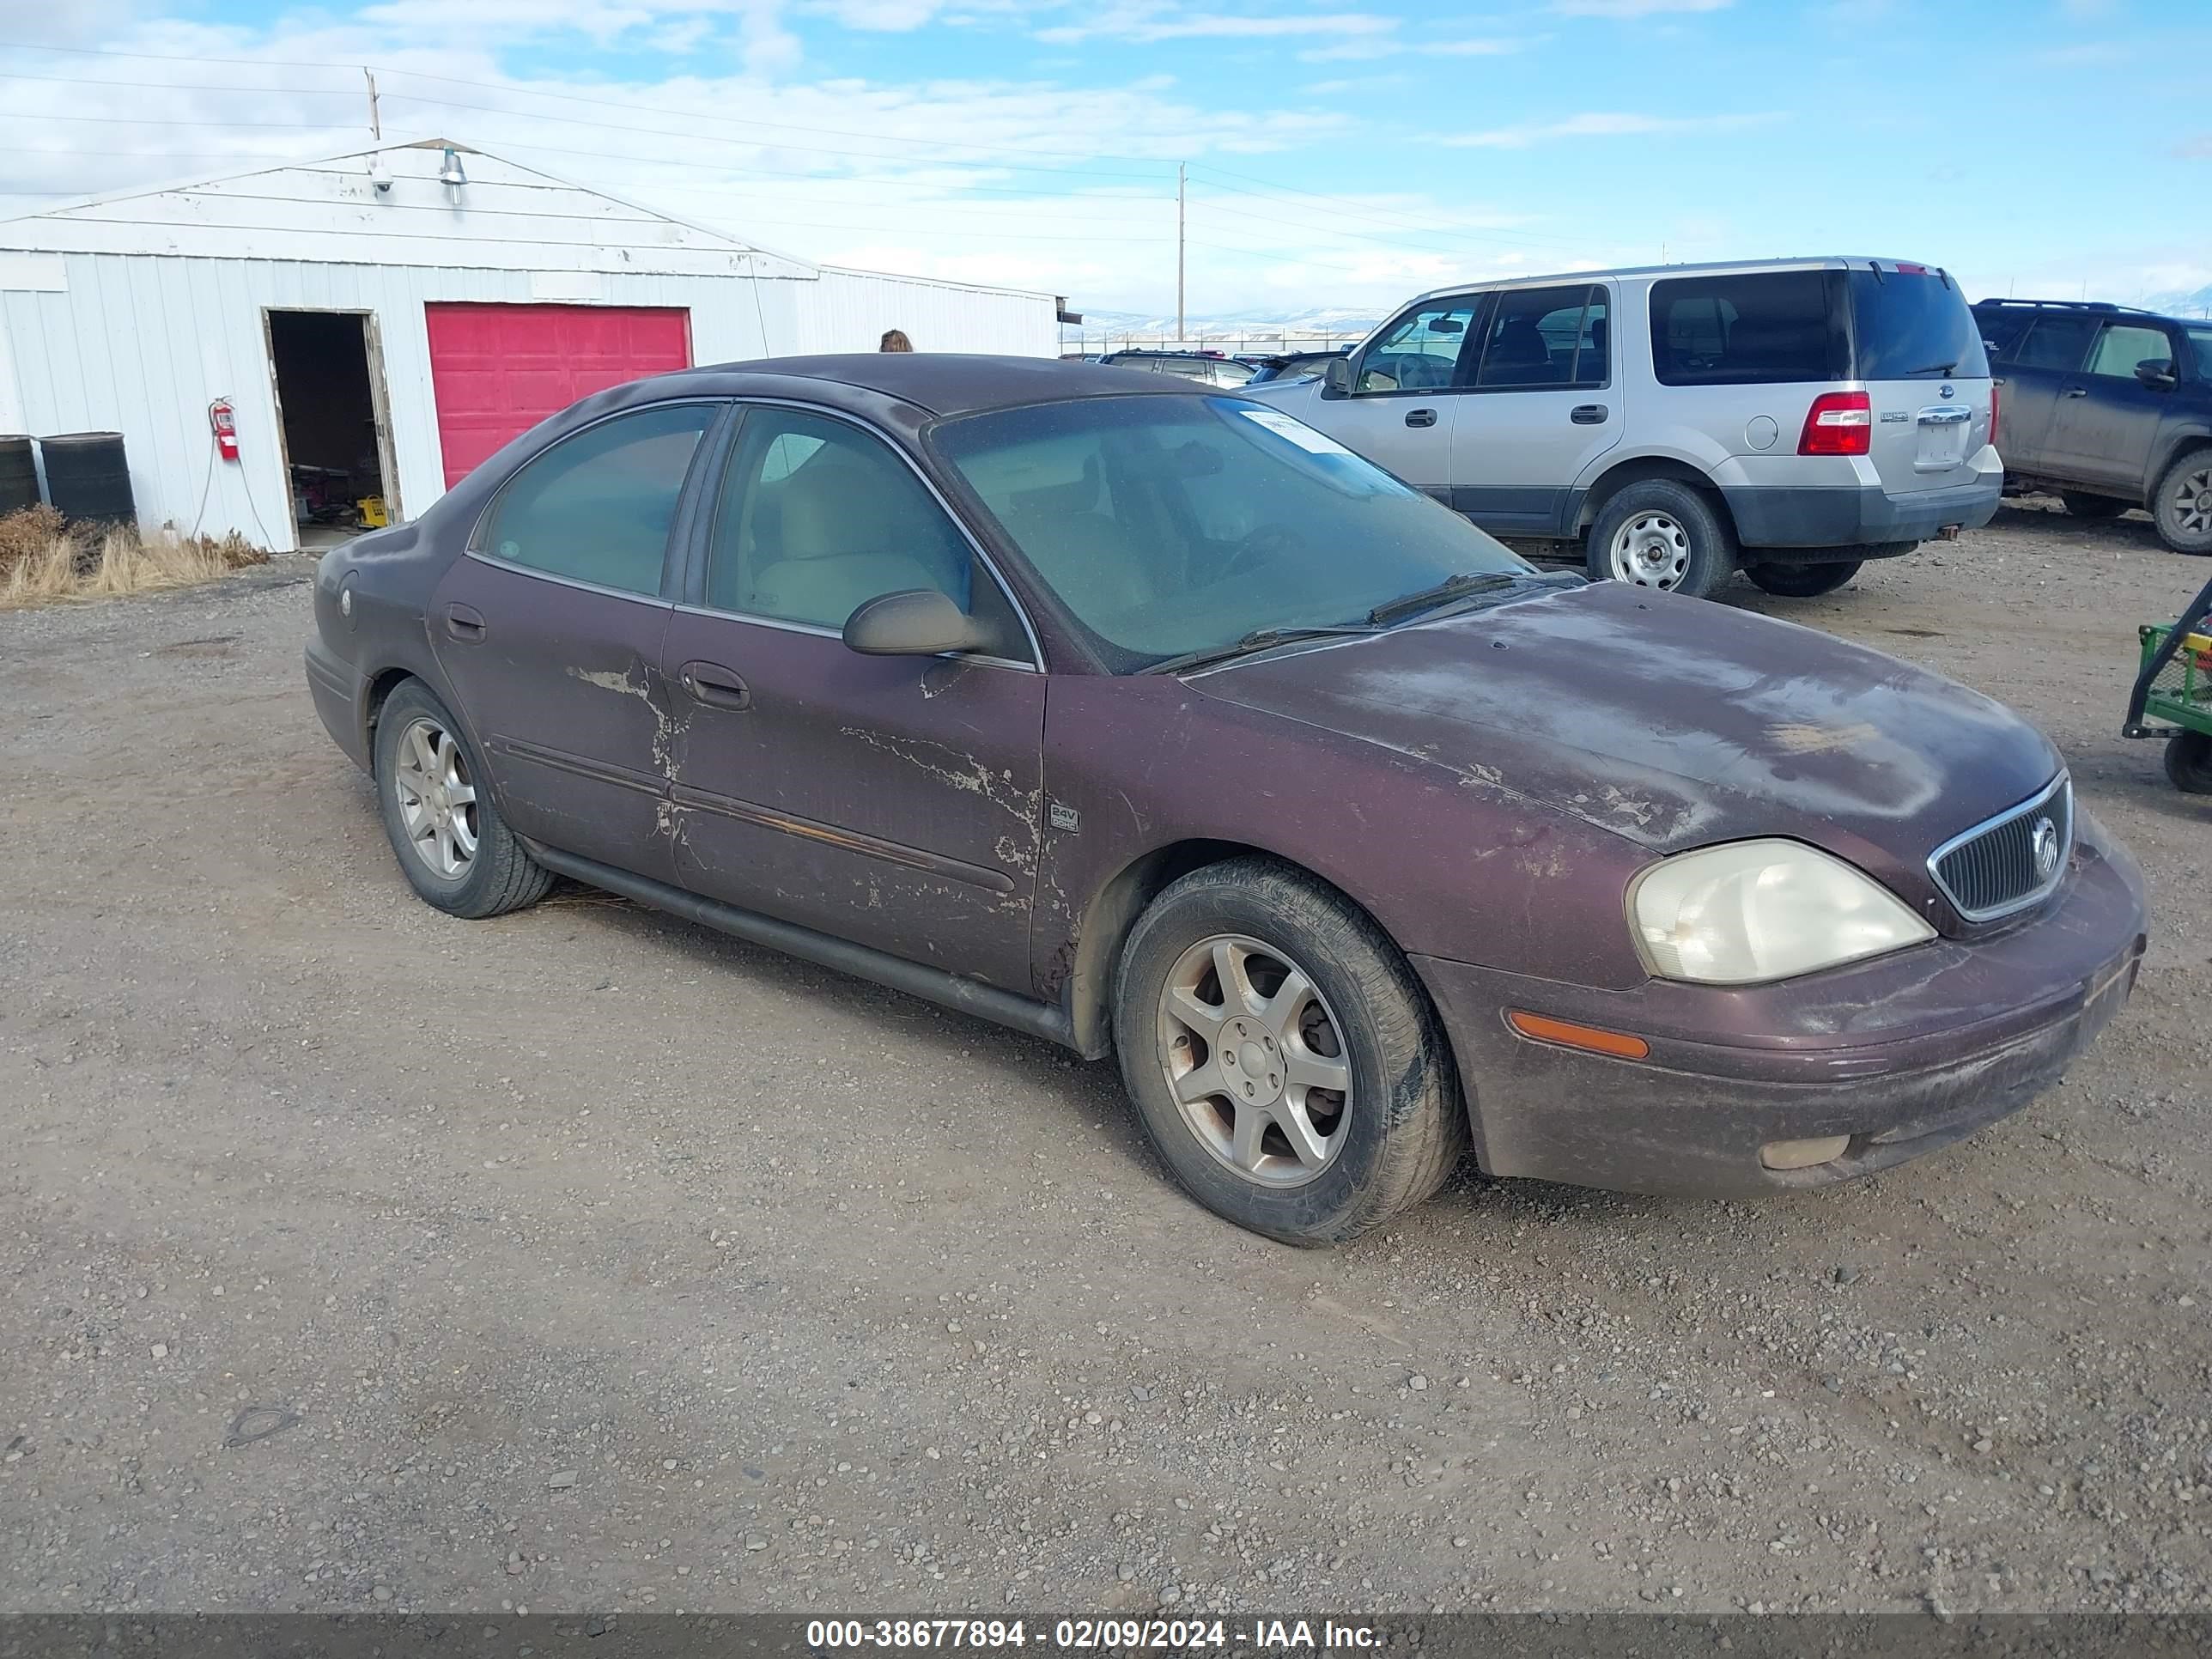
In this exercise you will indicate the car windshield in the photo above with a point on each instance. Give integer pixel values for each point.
(1909, 323)
(1173, 526)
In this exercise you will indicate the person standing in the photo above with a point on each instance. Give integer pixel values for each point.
(895, 340)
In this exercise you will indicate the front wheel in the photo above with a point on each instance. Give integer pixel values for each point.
(2182, 504)
(2189, 761)
(452, 846)
(1802, 581)
(1662, 533)
(1282, 1057)
(2096, 509)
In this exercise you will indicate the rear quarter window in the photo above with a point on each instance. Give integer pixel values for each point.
(1765, 328)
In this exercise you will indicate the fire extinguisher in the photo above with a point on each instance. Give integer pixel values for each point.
(223, 423)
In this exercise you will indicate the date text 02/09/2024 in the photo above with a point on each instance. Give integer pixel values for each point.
(831, 1634)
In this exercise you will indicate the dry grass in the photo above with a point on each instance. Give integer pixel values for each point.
(43, 560)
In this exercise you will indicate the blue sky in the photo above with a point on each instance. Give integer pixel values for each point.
(1342, 154)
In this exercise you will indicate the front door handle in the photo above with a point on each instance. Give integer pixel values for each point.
(465, 622)
(1420, 418)
(1588, 414)
(711, 683)
(2076, 392)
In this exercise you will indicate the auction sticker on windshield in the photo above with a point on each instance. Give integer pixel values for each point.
(1313, 442)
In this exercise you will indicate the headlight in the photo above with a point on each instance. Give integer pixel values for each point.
(1757, 910)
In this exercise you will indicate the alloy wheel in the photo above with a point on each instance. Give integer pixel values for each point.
(1650, 549)
(1256, 1059)
(436, 797)
(2192, 501)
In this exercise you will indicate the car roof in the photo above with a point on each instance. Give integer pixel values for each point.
(939, 382)
(1710, 268)
(2088, 308)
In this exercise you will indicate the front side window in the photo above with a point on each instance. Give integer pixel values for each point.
(598, 508)
(2121, 346)
(1173, 525)
(1763, 328)
(1420, 351)
(816, 518)
(2200, 347)
(1545, 337)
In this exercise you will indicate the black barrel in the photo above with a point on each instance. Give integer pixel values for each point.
(88, 480)
(19, 475)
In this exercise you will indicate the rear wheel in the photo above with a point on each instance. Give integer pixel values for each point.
(2189, 761)
(1802, 581)
(452, 846)
(2182, 504)
(1663, 534)
(2097, 507)
(1282, 1057)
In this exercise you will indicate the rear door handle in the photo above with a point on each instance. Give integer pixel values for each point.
(1996, 380)
(465, 622)
(711, 683)
(1420, 418)
(1588, 414)
(2076, 392)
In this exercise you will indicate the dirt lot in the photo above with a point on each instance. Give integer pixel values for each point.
(584, 1260)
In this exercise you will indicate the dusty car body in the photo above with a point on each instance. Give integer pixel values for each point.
(1463, 805)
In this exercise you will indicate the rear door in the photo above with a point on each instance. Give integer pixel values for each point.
(2049, 355)
(550, 631)
(1403, 403)
(1540, 404)
(2105, 425)
(1918, 351)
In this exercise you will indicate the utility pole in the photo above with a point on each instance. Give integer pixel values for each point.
(1181, 172)
(375, 122)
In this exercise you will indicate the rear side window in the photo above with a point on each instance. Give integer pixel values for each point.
(2056, 339)
(1911, 323)
(1765, 329)
(1545, 337)
(2002, 329)
(598, 508)
(2121, 346)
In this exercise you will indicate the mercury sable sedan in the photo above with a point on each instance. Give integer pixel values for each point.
(1127, 712)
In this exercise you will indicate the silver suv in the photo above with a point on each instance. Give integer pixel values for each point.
(1789, 417)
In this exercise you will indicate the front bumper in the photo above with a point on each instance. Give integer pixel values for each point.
(1860, 517)
(1903, 1055)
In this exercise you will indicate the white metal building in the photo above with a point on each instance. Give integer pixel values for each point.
(378, 323)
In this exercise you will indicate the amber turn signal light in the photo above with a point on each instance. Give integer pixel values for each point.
(1567, 1034)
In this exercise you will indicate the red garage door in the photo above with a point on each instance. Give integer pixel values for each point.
(498, 370)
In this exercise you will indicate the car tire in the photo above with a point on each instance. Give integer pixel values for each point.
(2096, 509)
(1364, 1152)
(1663, 533)
(1802, 581)
(2189, 761)
(452, 846)
(2182, 504)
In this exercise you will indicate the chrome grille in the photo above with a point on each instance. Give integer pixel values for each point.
(2012, 860)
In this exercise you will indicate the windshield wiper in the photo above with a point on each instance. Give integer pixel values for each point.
(1259, 640)
(1451, 587)
(1935, 368)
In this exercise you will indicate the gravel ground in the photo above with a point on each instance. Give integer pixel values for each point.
(354, 1257)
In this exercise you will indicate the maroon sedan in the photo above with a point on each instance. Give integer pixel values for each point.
(1130, 713)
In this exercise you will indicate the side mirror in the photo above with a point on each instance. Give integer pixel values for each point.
(1336, 378)
(2157, 372)
(918, 622)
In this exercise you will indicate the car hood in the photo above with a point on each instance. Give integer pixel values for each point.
(1673, 722)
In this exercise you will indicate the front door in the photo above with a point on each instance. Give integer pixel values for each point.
(891, 801)
(2107, 420)
(1541, 406)
(550, 631)
(1401, 407)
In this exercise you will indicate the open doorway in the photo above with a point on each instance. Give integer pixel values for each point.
(330, 406)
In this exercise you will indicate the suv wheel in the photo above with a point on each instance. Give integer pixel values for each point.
(1662, 534)
(452, 846)
(1802, 581)
(1282, 1057)
(2182, 504)
(2189, 761)
(2094, 507)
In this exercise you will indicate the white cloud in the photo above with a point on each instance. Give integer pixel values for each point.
(1147, 23)
(1365, 47)
(1635, 8)
(1605, 124)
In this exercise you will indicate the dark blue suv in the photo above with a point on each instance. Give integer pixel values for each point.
(2109, 407)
